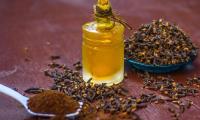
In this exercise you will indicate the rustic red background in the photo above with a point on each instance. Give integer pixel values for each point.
(37, 29)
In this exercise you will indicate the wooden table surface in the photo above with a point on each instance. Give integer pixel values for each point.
(37, 29)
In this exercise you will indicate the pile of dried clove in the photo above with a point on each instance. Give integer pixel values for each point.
(167, 86)
(194, 81)
(160, 43)
(114, 100)
(70, 82)
(182, 107)
(128, 104)
(97, 97)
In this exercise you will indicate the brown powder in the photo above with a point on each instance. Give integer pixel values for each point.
(52, 102)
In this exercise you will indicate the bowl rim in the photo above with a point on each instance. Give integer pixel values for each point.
(159, 66)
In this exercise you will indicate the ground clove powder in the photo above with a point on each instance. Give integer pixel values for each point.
(52, 102)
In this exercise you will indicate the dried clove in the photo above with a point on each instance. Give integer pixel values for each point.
(160, 43)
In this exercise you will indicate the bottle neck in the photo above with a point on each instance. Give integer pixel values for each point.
(104, 16)
(104, 22)
(103, 13)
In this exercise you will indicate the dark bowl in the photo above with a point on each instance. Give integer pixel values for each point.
(157, 68)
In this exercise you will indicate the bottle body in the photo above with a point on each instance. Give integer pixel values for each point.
(103, 53)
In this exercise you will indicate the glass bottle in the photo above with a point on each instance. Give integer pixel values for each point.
(103, 47)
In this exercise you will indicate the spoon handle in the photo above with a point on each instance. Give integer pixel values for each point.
(12, 93)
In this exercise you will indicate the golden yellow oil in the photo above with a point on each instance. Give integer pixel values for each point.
(103, 53)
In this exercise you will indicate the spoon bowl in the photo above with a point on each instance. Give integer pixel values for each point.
(24, 101)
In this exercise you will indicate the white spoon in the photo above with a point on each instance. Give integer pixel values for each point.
(24, 101)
